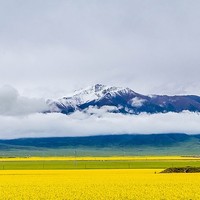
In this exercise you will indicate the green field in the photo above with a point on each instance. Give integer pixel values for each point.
(188, 148)
(91, 164)
(109, 146)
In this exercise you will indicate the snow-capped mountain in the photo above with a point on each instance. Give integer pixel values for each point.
(122, 100)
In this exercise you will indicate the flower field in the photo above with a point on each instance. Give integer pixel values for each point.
(134, 158)
(98, 184)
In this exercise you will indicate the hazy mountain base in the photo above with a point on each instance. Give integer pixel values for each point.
(110, 145)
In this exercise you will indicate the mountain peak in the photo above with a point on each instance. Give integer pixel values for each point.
(122, 100)
(98, 87)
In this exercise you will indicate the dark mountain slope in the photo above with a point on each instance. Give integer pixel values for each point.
(160, 140)
(123, 100)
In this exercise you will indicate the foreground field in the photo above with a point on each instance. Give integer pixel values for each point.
(98, 184)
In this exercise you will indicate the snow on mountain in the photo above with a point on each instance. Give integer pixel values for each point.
(94, 93)
(122, 100)
(89, 93)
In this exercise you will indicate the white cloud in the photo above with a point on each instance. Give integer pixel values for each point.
(12, 103)
(100, 112)
(82, 124)
(137, 102)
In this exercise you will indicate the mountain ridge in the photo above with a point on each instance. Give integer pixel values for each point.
(165, 139)
(122, 100)
(107, 145)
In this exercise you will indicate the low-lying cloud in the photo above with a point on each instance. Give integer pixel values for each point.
(24, 117)
(101, 123)
(12, 103)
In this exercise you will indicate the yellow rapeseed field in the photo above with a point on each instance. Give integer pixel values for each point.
(98, 184)
(101, 158)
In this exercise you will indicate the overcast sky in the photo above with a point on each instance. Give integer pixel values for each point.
(49, 48)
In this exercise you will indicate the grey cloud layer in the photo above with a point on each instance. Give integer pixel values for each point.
(12, 103)
(79, 124)
(150, 46)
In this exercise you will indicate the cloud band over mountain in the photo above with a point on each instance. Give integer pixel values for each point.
(25, 117)
(82, 124)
